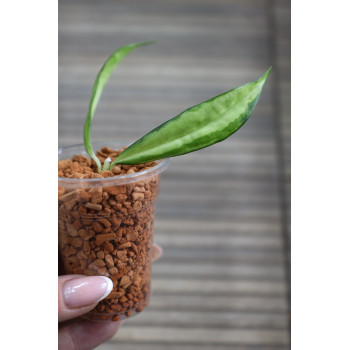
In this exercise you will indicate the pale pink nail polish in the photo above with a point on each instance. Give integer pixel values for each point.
(85, 291)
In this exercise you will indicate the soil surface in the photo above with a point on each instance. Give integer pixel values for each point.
(80, 167)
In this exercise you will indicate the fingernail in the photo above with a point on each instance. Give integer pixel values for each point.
(85, 291)
(157, 251)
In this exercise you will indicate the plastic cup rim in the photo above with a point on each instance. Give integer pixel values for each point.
(162, 164)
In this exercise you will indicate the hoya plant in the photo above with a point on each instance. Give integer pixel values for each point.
(195, 128)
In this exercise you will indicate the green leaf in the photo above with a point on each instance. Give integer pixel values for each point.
(197, 127)
(97, 89)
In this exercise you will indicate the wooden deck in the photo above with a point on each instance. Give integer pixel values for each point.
(223, 212)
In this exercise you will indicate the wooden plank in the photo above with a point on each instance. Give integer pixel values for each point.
(205, 287)
(216, 241)
(244, 68)
(253, 255)
(212, 319)
(129, 345)
(205, 227)
(228, 255)
(244, 6)
(226, 203)
(207, 24)
(172, 301)
(234, 229)
(209, 270)
(178, 179)
(217, 191)
(180, 211)
(137, 87)
(158, 71)
(202, 335)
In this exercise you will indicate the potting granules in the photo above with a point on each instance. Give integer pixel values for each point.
(108, 230)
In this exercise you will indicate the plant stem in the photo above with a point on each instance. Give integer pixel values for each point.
(106, 164)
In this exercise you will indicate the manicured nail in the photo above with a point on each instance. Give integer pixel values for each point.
(157, 252)
(85, 291)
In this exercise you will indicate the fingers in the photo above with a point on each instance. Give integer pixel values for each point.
(85, 335)
(157, 252)
(78, 294)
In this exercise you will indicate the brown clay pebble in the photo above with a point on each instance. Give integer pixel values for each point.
(123, 299)
(100, 255)
(93, 206)
(109, 260)
(108, 247)
(108, 231)
(100, 239)
(125, 245)
(113, 270)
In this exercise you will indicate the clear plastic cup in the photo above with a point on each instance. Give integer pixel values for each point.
(105, 227)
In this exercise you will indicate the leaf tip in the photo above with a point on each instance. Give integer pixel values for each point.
(144, 43)
(263, 78)
(267, 73)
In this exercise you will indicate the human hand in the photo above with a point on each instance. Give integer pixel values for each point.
(77, 295)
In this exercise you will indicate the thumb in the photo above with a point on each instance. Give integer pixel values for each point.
(78, 294)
